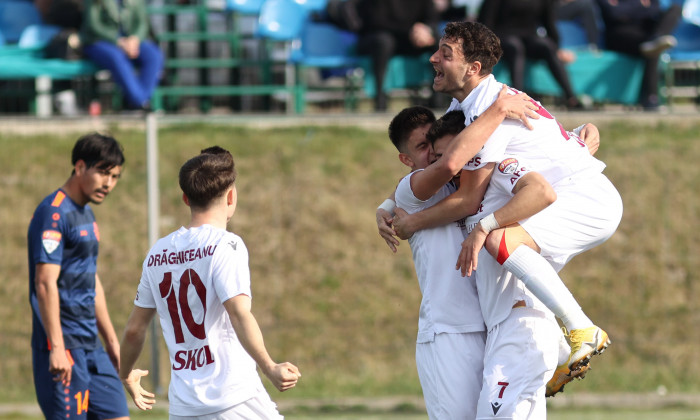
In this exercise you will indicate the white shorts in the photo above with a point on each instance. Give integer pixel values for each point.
(586, 213)
(450, 369)
(257, 408)
(522, 353)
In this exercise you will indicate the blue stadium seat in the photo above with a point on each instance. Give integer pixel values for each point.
(313, 5)
(281, 20)
(15, 16)
(244, 7)
(37, 35)
(324, 45)
(688, 48)
(571, 34)
(691, 11)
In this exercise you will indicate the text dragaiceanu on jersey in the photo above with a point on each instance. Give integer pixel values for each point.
(180, 257)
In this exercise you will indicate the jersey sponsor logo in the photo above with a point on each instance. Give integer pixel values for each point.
(83, 232)
(58, 199)
(193, 359)
(508, 166)
(475, 162)
(495, 406)
(233, 244)
(51, 239)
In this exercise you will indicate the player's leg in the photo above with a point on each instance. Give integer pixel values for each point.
(586, 213)
(107, 397)
(56, 400)
(521, 354)
(544, 282)
(515, 249)
(450, 371)
(258, 407)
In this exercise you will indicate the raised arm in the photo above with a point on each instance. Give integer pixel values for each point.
(282, 375)
(464, 202)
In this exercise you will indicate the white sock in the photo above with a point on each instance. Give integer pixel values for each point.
(544, 282)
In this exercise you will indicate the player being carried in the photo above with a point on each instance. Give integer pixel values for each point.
(198, 281)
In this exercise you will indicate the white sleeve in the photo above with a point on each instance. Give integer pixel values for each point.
(144, 293)
(230, 271)
(507, 173)
(494, 149)
(405, 198)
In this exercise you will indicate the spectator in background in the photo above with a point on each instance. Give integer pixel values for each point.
(642, 29)
(63, 13)
(458, 10)
(527, 29)
(394, 27)
(586, 13)
(114, 37)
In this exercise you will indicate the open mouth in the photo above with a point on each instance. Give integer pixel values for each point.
(438, 75)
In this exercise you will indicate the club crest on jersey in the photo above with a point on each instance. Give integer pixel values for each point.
(51, 239)
(508, 166)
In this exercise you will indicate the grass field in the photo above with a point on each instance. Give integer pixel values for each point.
(559, 414)
(329, 295)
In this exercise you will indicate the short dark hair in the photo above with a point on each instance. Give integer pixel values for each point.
(403, 124)
(479, 43)
(98, 150)
(207, 176)
(451, 123)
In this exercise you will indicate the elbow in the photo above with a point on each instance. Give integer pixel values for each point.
(451, 165)
(549, 195)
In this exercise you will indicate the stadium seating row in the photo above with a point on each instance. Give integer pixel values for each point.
(290, 39)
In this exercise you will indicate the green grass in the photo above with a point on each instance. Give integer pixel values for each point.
(558, 414)
(328, 294)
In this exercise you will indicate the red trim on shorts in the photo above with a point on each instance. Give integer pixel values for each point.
(502, 250)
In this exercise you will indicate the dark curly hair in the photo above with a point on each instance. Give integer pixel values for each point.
(479, 43)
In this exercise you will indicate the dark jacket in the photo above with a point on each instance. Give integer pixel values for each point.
(519, 18)
(397, 16)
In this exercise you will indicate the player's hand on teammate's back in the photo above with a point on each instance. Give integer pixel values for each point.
(60, 366)
(384, 221)
(517, 107)
(469, 255)
(591, 136)
(403, 225)
(143, 399)
(283, 376)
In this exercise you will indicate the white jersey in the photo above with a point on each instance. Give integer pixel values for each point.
(556, 153)
(499, 289)
(450, 303)
(187, 276)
